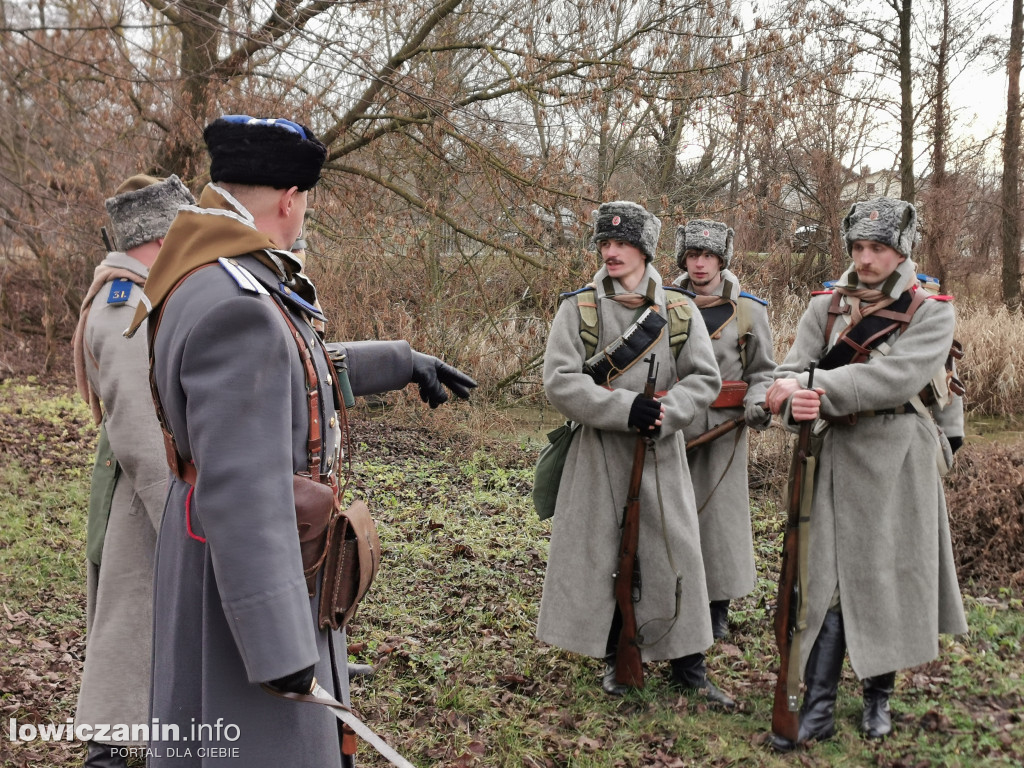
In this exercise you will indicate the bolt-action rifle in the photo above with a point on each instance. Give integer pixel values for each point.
(714, 433)
(629, 668)
(785, 722)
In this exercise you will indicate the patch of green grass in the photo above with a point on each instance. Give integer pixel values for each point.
(42, 535)
(450, 621)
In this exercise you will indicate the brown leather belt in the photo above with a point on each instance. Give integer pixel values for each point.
(852, 418)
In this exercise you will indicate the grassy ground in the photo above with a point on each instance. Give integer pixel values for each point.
(461, 681)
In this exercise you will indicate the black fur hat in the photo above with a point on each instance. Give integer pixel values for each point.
(266, 152)
(629, 222)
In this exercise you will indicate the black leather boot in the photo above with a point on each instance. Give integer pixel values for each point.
(719, 619)
(608, 683)
(877, 721)
(360, 670)
(824, 666)
(100, 756)
(690, 674)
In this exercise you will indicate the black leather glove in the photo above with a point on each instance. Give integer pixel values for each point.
(643, 414)
(430, 373)
(296, 682)
(955, 443)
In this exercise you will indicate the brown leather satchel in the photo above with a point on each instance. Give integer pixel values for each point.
(731, 395)
(314, 503)
(352, 560)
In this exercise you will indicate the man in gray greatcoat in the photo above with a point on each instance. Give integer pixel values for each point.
(578, 611)
(881, 579)
(247, 395)
(738, 324)
(130, 475)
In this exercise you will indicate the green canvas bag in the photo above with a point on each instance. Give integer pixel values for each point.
(548, 472)
(105, 472)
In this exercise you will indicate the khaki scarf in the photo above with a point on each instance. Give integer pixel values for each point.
(714, 300)
(706, 302)
(628, 300)
(863, 302)
(103, 274)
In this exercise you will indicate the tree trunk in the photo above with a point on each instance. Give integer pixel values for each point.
(1011, 165)
(907, 183)
(939, 244)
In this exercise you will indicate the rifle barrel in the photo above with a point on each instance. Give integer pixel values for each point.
(629, 668)
(785, 722)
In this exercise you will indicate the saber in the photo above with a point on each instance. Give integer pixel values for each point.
(318, 695)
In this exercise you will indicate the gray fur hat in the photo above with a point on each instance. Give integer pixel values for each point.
(704, 235)
(143, 208)
(629, 222)
(885, 220)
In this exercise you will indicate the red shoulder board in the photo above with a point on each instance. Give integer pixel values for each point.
(941, 297)
(822, 293)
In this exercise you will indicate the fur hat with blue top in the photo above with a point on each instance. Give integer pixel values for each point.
(264, 152)
(143, 208)
(704, 235)
(884, 220)
(629, 222)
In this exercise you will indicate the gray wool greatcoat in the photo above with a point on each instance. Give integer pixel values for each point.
(115, 679)
(578, 602)
(719, 469)
(231, 607)
(879, 531)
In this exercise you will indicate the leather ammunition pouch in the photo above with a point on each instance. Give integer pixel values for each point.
(731, 395)
(341, 544)
(314, 506)
(351, 560)
(619, 356)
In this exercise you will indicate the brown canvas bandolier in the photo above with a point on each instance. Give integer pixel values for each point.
(900, 320)
(341, 543)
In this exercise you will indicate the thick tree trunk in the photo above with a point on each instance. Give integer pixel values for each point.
(1011, 165)
(907, 182)
(939, 244)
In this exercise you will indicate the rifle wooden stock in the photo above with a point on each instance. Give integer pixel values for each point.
(785, 722)
(629, 667)
(714, 433)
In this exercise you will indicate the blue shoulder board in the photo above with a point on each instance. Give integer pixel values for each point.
(830, 284)
(301, 303)
(677, 289)
(745, 295)
(925, 279)
(120, 290)
(567, 294)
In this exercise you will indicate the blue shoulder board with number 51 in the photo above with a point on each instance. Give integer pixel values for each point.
(120, 290)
